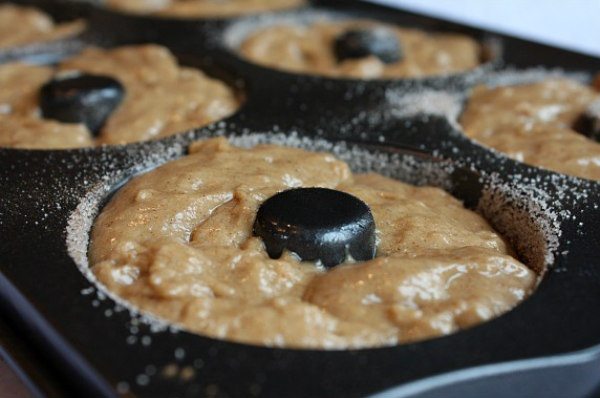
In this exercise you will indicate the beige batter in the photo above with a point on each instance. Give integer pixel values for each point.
(202, 8)
(309, 49)
(177, 242)
(532, 123)
(25, 25)
(161, 99)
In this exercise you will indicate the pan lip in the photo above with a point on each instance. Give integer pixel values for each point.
(68, 354)
(450, 378)
(36, 52)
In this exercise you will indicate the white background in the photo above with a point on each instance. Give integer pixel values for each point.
(573, 24)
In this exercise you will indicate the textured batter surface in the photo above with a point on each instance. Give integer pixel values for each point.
(202, 8)
(161, 99)
(26, 25)
(177, 242)
(533, 123)
(309, 49)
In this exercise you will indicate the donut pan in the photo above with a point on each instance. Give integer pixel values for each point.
(68, 337)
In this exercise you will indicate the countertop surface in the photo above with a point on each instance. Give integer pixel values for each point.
(10, 385)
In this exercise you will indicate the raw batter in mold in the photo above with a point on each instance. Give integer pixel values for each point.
(534, 123)
(177, 242)
(26, 25)
(202, 8)
(311, 49)
(161, 98)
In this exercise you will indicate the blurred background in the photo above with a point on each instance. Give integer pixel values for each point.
(573, 24)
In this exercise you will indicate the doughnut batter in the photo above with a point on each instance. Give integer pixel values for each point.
(177, 242)
(161, 99)
(202, 8)
(309, 49)
(532, 123)
(26, 25)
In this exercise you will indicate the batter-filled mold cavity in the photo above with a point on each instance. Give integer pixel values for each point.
(109, 96)
(348, 46)
(214, 243)
(35, 30)
(542, 118)
(22, 25)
